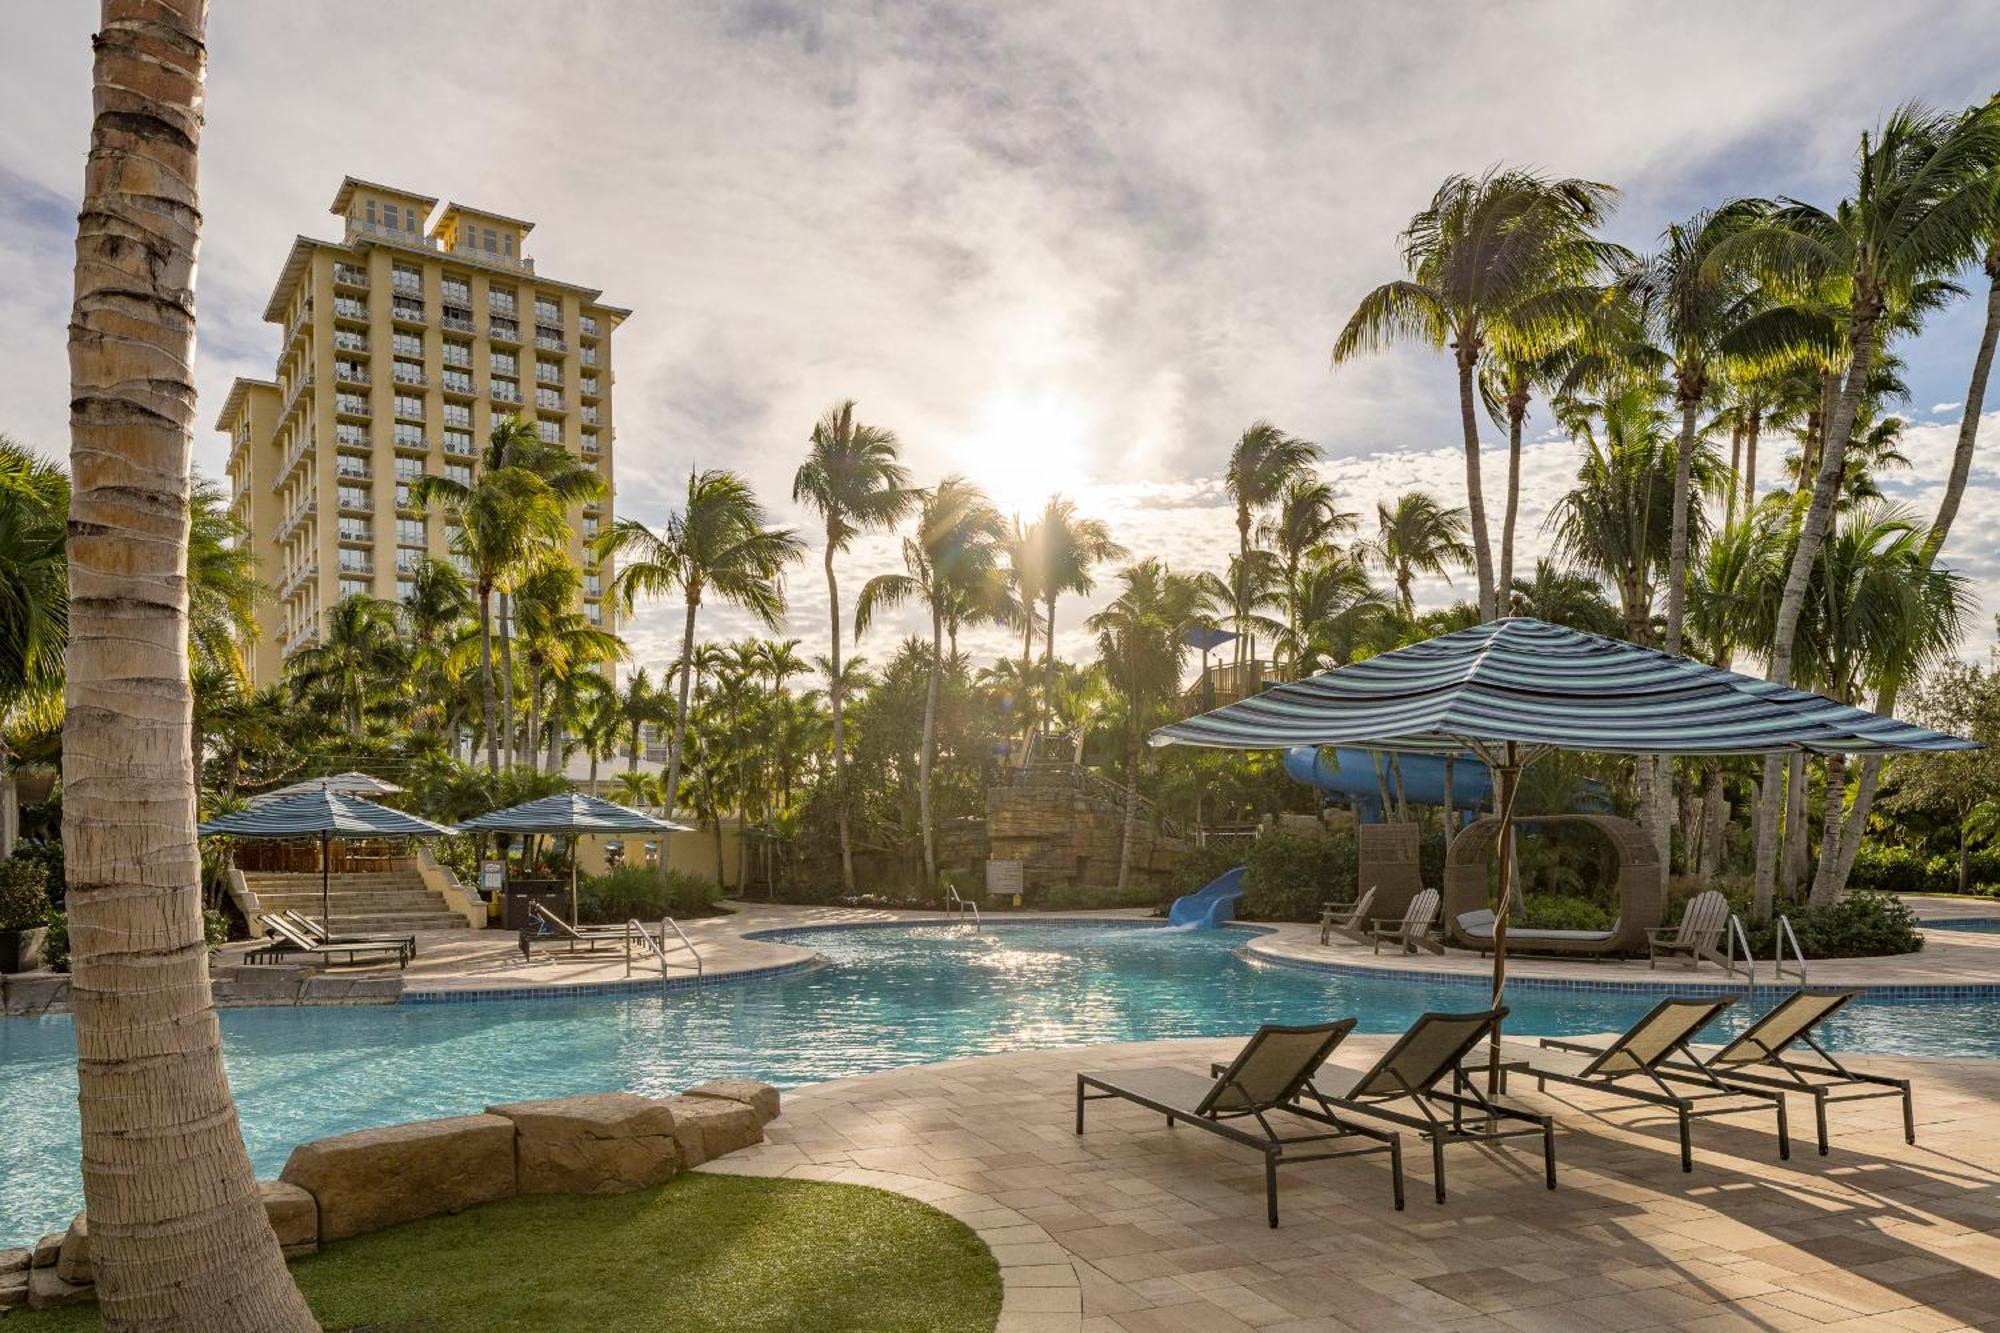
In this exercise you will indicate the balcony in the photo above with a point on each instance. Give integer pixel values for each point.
(351, 501)
(550, 341)
(356, 534)
(505, 393)
(348, 307)
(408, 284)
(293, 579)
(353, 439)
(587, 386)
(353, 469)
(415, 379)
(500, 309)
(460, 384)
(293, 456)
(588, 356)
(305, 637)
(350, 405)
(460, 449)
(492, 259)
(348, 373)
(363, 568)
(404, 313)
(590, 416)
(457, 322)
(503, 330)
(412, 444)
(550, 401)
(290, 522)
(350, 275)
(299, 320)
(299, 386)
(586, 326)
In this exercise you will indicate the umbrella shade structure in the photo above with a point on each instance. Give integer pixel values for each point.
(571, 815)
(351, 784)
(324, 814)
(1513, 689)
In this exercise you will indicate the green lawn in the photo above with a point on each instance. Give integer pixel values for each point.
(704, 1252)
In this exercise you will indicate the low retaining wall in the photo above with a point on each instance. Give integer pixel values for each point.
(351, 1184)
(233, 985)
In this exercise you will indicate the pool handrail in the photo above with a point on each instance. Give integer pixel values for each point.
(658, 946)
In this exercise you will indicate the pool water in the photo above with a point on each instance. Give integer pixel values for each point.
(889, 997)
(1983, 924)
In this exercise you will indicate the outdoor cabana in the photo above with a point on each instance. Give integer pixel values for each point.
(1512, 690)
(569, 815)
(324, 814)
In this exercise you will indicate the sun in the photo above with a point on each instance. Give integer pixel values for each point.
(1027, 448)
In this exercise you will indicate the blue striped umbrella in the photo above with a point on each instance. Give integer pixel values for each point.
(325, 814)
(570, 814)
(1514, 689)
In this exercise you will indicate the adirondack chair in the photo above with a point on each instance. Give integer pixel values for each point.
(1696, 937)
(1349, 919)
(1414, 930)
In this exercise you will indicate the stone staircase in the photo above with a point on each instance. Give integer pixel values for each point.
(378, 903)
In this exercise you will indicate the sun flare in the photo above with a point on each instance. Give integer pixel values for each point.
(1027, 448)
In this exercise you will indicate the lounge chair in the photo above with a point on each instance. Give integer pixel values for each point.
(1410, 1071)
(288, 942)
(318, 934)
(1696, 937)
(1349, 919)
(548, 929)
(1272, 1074)
(1414, 930)
(1655, 1056)
(1762, 1047)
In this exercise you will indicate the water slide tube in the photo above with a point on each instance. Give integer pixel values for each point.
(1211, 906)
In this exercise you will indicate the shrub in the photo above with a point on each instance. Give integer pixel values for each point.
(214, 928)
(1093, 897)
(24, 894)
(1860, 925)
(642, 893)
(1291, 874)
(1559, 911)
(55, 944)
(1197, 866)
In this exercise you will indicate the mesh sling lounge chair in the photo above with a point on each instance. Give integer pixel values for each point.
(1655, 1055)
(1272, 1074)
(1436, 1046)
(1414, 930)
(318, 934)
(287, 942)
(1762, 1048)
(1696, 937)
(549, 929)
(1349, 919)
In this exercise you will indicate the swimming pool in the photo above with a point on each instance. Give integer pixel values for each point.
(889, 996)
(1983, 924)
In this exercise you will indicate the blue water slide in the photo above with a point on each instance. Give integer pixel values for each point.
(1211, 906)
(1353, 774)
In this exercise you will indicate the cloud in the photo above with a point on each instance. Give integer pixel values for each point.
(1939, 409)
(1085, 243)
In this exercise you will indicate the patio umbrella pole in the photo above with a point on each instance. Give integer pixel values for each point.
(325, 893)
(1507, 774)
(574, 917)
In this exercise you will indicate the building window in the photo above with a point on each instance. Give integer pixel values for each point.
(350, 340)
(590, 441)
(346, 433)
(458, 442)
(405, 589)
(547, 311)
(548, 372)
(355, 588)
(356, 530)
(370, 209)
(457, 414)
(409, 532)
(408, 469)
(409, 406)
(409, 372)
(408, 280)
(507, 391)
(492, 241)
(549, 432)
(500, 301)
(458, 354)
(457, 291)
(407, 344)
(551, 399)
(353, 404)
(459, 473)
(409, 436)
(506, 363)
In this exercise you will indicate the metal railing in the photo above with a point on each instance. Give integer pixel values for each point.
(1786, 935)
(1735, 936)
(960, 906)
(658, 946)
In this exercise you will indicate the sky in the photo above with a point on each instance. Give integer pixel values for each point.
(1074, 247)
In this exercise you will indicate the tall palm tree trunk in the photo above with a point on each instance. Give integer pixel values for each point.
(1677, 540)
(1131, 825)
(1812, 531)
(179, 1236)
(836, 701)
(1475, 494)
(1735, 468)
(1751, 430)
(507, 739)
(489, 695)
(926, 759)
(1048, 647)
(672, 792)
(1517, 411)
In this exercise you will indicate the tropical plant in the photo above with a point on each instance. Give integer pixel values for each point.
(1415, 534)
(1263, 464)
(952, 560)
(1507, 252)
(169, 1186)
(1307, 521)
(359, 662)
(854, 479)
(1066, 550)
(719, 542)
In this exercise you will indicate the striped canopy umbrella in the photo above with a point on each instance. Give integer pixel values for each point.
(570, 814)
(324, 814)
(1513, 689)
(354, 784)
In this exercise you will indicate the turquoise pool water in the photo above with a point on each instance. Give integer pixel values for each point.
(892, 996)
(1983, 924)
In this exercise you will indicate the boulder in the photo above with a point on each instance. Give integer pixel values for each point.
(73, 1260)
(759, 1097)
(375, 1178)
(600, 1143)
(294, 1216)
(46, 1291)
(13, 1261)
(13, 1289)
(47, 1248)
(708, 1127)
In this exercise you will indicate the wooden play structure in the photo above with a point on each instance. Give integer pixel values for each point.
(1387, 861)
(1468, 902)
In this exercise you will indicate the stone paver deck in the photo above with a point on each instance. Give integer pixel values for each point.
(1135, 1228)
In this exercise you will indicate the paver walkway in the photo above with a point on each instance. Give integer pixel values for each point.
(1135, 1228)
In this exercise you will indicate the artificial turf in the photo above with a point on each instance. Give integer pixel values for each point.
(702, 1253)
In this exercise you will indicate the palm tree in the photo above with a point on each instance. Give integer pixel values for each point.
(639, 705)
(434, 615)
(1508, 251)
(166, 1179)
(1332, 611)
(1263, 463)
(720, 542)
(1418, 535)
(1142, 638)
(223, 590)
(1307, 520)
(34, 596)
(854, 479)
(1565, 597)
(1067, 551)
(506, 519)
(1923, 205)
(954, 556)
(1975, 394)
(558, 640)
(360, 659)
